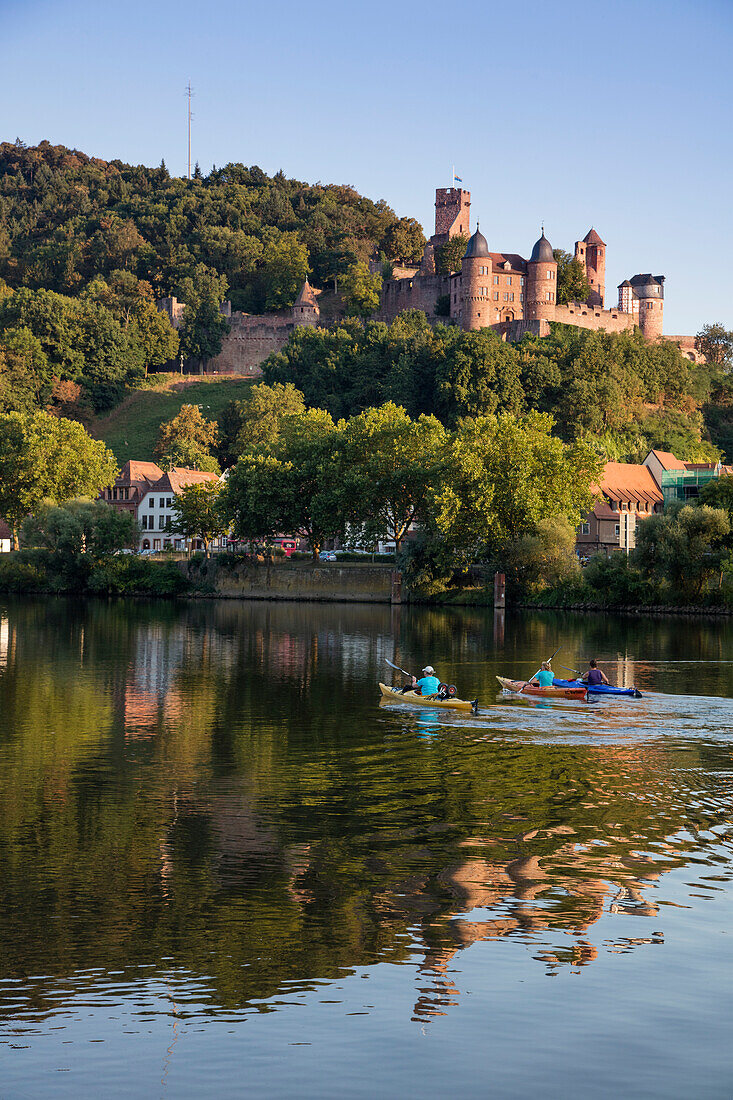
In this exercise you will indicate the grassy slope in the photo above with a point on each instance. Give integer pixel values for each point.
(131, 429)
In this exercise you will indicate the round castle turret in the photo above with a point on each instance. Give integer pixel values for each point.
(306, 312)
(541, 282)
(476, 271)
(651, 306)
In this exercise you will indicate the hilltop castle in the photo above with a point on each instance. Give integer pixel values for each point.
(497, 290)
(505, 292)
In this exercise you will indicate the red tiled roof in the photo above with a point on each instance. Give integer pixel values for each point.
(627, 481)
(140, 471)
(179, 477)
(604, 511)
(668, 460)
(592, 237)
(500, 258)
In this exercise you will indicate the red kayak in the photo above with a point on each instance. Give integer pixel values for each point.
(522, 687)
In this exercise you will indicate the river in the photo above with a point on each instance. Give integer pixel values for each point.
(225, 869)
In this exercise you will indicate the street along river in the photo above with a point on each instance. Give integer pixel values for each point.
(225, 869)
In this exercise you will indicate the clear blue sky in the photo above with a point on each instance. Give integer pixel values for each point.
(613, 114)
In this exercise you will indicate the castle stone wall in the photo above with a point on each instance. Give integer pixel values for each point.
(583, 315)
(249, 343)
(418, 293)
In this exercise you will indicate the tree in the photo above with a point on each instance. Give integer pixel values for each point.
(684, 547)
(198, 512)
(572, 281)
(25, 377)
(404, 241)
(543, 558)
(81, 527)
(157, 338)
(448, 256)
(503, 475)
(391, 463)
(296, 487)
(719, 494)
(282, 272)
(254, 424)
(715, 342)
(203, 326)
(45, 458)
(360, 290)
(188, 439)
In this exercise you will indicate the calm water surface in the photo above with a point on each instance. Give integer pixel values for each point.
(225, 869)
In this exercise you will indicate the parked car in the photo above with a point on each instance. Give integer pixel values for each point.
(327, 555)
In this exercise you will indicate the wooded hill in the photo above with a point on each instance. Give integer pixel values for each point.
(66, 217)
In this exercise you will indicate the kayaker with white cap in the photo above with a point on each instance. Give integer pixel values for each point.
(429, 683)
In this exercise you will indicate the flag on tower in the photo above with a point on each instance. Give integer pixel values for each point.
(457, 179)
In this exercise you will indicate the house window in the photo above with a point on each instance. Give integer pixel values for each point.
(585, 528)
(156, 544)
(169, 502)
(151, 502)
(496, 295)
(618, 530)
(511, 296)
(506, 296)
(509, 280)
(162, 502)
(496, 280)
(521, 281)
(161, 523)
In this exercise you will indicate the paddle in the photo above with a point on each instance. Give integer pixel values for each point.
(538, 670)
(398, 668)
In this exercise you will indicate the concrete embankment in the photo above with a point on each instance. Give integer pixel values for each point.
(332, 581)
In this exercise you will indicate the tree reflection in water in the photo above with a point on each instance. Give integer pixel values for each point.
(213, 786)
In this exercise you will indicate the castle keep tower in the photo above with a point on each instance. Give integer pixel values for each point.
(452, 214)
(476, 268)
(591, 252)
(541, 282)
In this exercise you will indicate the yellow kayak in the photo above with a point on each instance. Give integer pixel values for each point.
(427, 700)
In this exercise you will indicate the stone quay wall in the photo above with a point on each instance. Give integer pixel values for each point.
(329, 581)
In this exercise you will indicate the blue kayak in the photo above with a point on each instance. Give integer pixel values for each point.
(599, 689)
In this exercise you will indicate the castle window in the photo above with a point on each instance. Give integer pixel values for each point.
(548, 296)
(521, 281)
(549, 274)
(496, 295)
(511, 297)
(506, 297)
(509, 280)
(496, 280)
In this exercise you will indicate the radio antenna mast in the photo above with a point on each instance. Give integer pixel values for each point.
(189, 93)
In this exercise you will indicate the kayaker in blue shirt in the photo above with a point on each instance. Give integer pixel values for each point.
(544, 677)
(429, 683)
(594, 676)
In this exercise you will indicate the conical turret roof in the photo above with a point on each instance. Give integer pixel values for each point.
(306, 296)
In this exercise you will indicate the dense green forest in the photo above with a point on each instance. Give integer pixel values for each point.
(87, 245)
(619, 391)
(66, 218)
